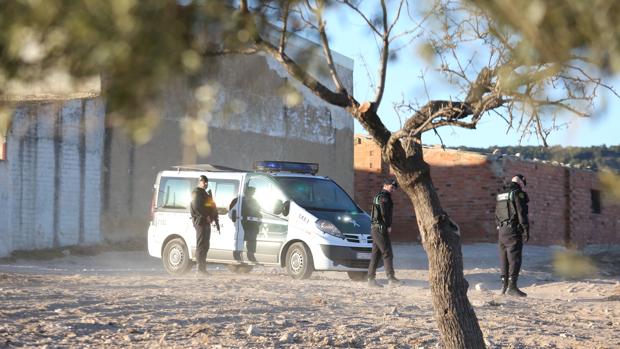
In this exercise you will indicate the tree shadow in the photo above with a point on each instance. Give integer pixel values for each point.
(493, 281)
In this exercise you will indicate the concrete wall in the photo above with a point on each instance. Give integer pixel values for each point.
(467, 183)
(248, 121)
(50, 180)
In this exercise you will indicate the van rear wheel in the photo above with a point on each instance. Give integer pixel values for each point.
(299, 264)
(176, 257)
(240, 269)
(358, 275)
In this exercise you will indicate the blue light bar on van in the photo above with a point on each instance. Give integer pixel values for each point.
(286, 166)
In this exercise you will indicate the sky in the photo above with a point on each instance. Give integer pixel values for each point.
(349, 36)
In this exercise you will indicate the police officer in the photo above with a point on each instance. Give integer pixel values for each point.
(381, 227)
(250, 211)
(512, 222)
(203, 213)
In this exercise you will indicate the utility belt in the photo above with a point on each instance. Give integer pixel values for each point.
(197, 220)
(381, 227)
(510, 222)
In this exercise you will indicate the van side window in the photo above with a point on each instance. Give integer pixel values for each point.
(224, 191)
(175, 193)
(267, 193)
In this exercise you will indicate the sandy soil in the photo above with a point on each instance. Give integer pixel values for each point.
(124, 299)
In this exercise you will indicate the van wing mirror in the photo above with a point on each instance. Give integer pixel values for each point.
(233, 203)
(286, 208)
(232, 214)
(278, 207)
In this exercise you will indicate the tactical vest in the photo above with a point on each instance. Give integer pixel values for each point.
(375, 215)
(504, 207)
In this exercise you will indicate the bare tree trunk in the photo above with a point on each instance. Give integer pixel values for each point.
(454, 314)
(403, 151)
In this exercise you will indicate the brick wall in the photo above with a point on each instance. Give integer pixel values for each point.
(50, 180)
(467, 183)
(547, 189)
(586, 226)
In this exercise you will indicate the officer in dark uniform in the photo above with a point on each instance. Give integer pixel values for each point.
(381, 227)
(250, 211)
(203, 213)
(512, 222)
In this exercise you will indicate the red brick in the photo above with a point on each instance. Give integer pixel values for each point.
(467, 182)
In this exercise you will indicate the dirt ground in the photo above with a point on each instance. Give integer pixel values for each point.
(124, 299)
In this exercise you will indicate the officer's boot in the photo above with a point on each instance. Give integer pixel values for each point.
(513, 290)
(373, 283)
(394, 282)
(504, 284)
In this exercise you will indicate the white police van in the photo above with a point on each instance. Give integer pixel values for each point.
(282, 214)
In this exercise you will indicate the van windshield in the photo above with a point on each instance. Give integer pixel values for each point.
(317, 194)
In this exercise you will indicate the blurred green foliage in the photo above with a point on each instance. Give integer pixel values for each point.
(572, 264)
(136, 47)
(610, 183)
(559, 31)
(594, 157)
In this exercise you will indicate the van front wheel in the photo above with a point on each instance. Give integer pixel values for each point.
(299, 264)
(176, 257)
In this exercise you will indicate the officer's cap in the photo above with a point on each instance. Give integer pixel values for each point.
(519, 178)
(390, 181)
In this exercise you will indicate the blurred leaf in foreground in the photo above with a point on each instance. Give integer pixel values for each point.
(610, 183)
(573, 265)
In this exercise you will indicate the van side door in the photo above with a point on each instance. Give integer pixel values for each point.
(229, 239)
(264, 224)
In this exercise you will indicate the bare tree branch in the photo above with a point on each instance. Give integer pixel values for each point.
(417, 27)
(359, 12)
(372, 123)
(560, 103)
(287, 5)
(341, 99)
(397, 17)
(368, 118)
(243, 6)
(597, 81)
(327, 51)
(221, 51)
(541, 134)
(383, 60)
(481, 86)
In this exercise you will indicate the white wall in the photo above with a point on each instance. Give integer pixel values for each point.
(6, 244)
(247, 121)
(50, 192)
